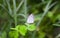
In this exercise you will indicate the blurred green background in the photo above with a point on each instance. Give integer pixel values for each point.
(14, 14)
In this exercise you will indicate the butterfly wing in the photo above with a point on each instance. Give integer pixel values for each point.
(30, 19)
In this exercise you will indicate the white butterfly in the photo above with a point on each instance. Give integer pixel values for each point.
(30, 18)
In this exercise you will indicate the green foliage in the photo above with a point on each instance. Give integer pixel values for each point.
(3, 35)
(22, 29)
(58, 17)
(41, 34)
(14, 13)
(50, 14)
(13, 34)
(31, 27)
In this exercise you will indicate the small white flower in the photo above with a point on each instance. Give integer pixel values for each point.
(30, 18)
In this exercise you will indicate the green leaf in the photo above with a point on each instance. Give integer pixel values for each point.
(50, 14)
(13, 34)
(17, 27)
(58, 17)
(31, 27)
(12, 28)
(22, 30)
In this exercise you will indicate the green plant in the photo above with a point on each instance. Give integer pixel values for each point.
(14, 13)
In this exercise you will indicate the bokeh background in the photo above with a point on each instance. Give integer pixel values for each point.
(15, 12)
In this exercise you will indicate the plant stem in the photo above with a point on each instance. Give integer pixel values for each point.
(15, 13)
(9, 8)
(25, 8)
(19, 6)
(45, 12)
